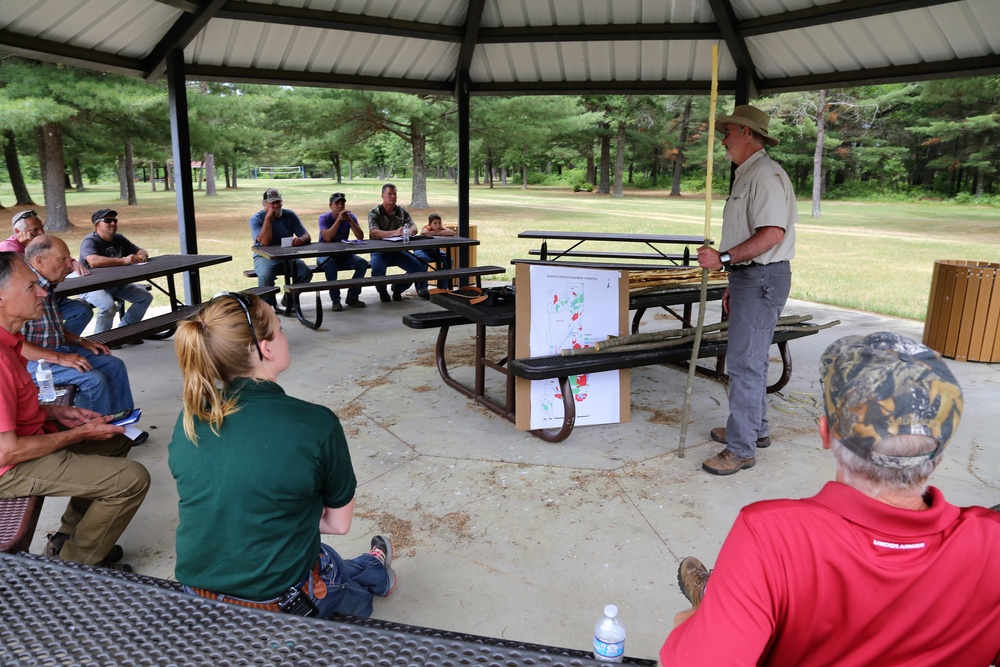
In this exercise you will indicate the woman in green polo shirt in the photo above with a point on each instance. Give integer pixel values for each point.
(261, 474)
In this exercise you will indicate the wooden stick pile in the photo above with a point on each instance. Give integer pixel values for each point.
(640, 282)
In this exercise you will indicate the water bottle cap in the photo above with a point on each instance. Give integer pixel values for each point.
(611, 611)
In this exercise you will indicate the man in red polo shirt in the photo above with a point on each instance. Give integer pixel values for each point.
(877, 568)
(60, 451)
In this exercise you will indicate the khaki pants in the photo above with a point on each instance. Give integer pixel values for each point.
(105, 490)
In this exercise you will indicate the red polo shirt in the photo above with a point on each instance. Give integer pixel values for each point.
(19, 408)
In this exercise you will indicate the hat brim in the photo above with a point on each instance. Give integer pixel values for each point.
(721, 121)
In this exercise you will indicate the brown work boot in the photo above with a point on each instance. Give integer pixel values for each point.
(727, 463)
(719, 435)
(692, 577)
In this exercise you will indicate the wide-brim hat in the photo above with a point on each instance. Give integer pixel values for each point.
(748, 116)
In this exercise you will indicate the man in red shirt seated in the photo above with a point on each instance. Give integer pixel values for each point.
(876, 569)
(60, 451)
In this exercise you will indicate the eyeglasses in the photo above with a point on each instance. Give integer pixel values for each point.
(24, 215)
(110, 221)
(245, 304)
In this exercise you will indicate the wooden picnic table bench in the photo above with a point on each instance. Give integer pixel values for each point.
(558, 367)
(160, 326)
(296, 290)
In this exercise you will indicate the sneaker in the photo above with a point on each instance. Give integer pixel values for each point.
(55, 541)
(355, 303)
(382, 549)
(692, 577)
(719, 435)
(384, 297)
(397, 296)
(336, 307)
(727, 463)
(121, 567)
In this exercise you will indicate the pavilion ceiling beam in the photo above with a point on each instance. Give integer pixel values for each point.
(181, 33)
(183, 5)
(313, 18)
(319, 79)
(600, 33)
(846, 10)
(473, 19)
(725, 17)
(66, 54)
(941, 69)
(600, 88)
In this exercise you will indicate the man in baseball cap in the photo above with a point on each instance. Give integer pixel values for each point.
(269, 226)
(877, 568)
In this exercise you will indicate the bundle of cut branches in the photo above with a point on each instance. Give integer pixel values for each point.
(675, 337)
(642, 282)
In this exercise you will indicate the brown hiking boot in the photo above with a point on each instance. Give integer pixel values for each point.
(692, 577)
(719, 435)
(727, 463)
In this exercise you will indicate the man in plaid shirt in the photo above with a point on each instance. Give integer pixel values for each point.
(101, 379)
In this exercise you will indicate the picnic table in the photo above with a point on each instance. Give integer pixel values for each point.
(65, 613)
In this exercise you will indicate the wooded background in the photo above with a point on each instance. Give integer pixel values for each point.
(65, 127)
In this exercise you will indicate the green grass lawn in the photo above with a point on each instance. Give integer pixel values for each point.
(876, 257)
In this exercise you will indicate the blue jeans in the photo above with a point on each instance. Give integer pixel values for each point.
(76, 314)
(104, 388)
(104, 302)
(330, 267)
(350, 584)
(268, 269)
(439, 258)
(757, 293)
(405, 261)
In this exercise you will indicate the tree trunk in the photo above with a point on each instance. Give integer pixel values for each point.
(235, 170)
(210, 190)
(130, 173)
(524, 168)
(620, 161)
(122, 189)
(350, 170)
(168, 182)
(818, 154)
(335, 159)
(605, 185)
(21, 195)
(152, 175)
(56, 219)
(675, 189)
(419, 167)
(77, 175)
(591, 167)
(489, 168)
(225, 171)
(631, 172)
(475, 175)
(503, 174)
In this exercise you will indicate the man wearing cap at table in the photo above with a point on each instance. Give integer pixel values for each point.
(876, 569)
(76, 314)
(106, 247)
(269, 226)
(758, 240)
(335, 226)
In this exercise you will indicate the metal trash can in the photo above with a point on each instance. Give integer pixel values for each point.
(963, 311)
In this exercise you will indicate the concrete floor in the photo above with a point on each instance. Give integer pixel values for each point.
(499, 533)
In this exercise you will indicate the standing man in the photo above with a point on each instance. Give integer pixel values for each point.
(76, 314)
(334, 226)
(877, 568)
(269, 226)
(106, 247)
(387, 221)
(758, 240)
(60, 451)
(101, 379)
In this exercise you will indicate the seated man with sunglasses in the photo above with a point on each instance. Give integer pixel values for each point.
(76, 314)
(106, 247)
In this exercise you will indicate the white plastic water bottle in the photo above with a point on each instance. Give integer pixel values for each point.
(609, 636)
(46, 387)
(406, 233)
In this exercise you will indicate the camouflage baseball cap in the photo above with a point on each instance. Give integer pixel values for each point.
(884, 384)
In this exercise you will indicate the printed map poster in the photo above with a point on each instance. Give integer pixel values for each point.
(570, 307)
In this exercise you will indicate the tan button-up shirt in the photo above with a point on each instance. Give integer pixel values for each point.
(762, 196)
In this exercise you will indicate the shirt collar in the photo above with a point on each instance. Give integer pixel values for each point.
(876, 515)
(11, 340)
(750, 161)
(247, 384)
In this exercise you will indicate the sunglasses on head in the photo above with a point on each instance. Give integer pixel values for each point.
(24, 215)
(245, 304)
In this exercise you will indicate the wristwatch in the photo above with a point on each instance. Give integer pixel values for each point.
(726, 259)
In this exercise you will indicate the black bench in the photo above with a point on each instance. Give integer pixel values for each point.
(19, 516)
(252, 273)
(298, 289)
(562, 368)
(160, 326)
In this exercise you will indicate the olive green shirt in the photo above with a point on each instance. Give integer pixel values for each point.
(251, 497)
